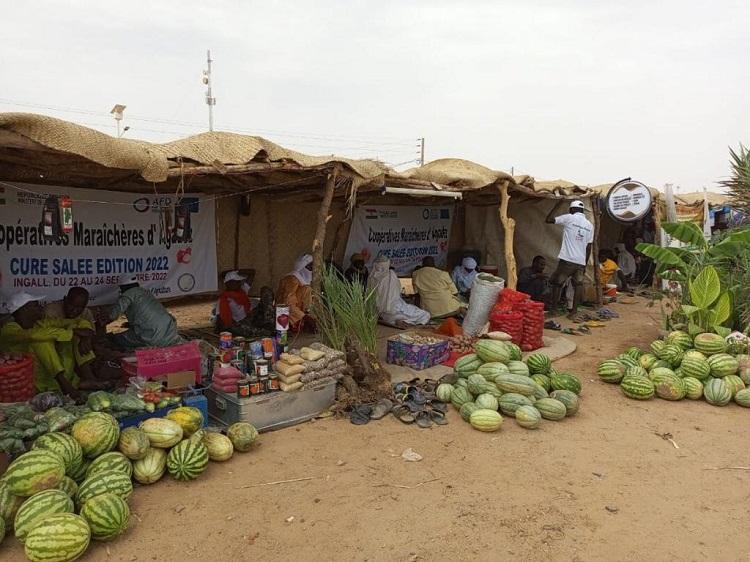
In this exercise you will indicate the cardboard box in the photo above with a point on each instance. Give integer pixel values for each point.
(178, 380)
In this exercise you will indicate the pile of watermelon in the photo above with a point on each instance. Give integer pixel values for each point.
(495, 377)
(73, 487)
(681, 366)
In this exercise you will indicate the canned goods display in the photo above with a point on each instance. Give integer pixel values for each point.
(243, 388)
(268, 348)
(226, 340)
(273, 382)
(261, 368)
(255, 386)
(256, 349)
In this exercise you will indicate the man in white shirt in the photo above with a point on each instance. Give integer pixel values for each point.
(578, 234)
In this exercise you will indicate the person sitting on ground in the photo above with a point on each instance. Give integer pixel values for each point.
(437, 293)
(533, 281)
(295, 292)
(392, 309)
(62, 356)
(464, 275)
(608, 269)
(625, 261)
(149, 324)
(234, 305)
(357, 272)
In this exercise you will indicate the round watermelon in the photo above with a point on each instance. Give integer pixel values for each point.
(459, 397)
(611, 371)
(9, 504)
(486, 401)
(539, 363)
(187, 460)
(189, 418)
(565, 381)
(219, 446)
(443, 392)
(669, 387)
(150, 468)
(69, 486)
(543, 381)
(681, 339)
(743, 397)
(722, 365)
(511, 401)
(110, 461)
(551, 409)
(693, 388)
(710, 344)
(466, 409)
(734, 383)
(39, 506)
(518, 368)
(67, 448)
(34, 471)
(637, 388)
(97, 433)
(133, 443)
(107, 515)
(647, 360)
(717, 392)
(569, 398)
(58, 538)
(161, 432)
(485, 420)
(107, 481)
(696, 367)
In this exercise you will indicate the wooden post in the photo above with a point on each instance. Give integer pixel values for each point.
(509, 227)
(320, 231)
(595, 249)
(237, 234)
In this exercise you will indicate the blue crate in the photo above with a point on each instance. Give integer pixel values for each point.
(193, 397)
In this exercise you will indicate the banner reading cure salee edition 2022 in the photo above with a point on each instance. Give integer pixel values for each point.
(113, 233)
(406, 235)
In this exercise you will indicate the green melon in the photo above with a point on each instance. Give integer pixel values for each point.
(539, 391)
(627, 360)
(486, 402)
(461, 383)
(543, 381)
(660, 364)
(611, 371)
(475, 384)
(710, 344)
(97, 433)
(112, 481)
(67, 448)
(39, 506)
(107, 515)
(516, 383)
(722, 365)
(637, 388)
(69, 486)
(551, 409)
(515, 352)
(743, 370)
(110, 461)
(528, 417)
(490, 351)
(485, 420)
(161, 432)
(9, 504)
(443, 392)
(695, 354)
(490, 371)
(695, 367)
(518, 368)
(636, 371)
(681, 339)
(657, 346)
(79, 473)
(669, 387)
(150, 468)
(466, 409)
(460, 396)
(672, 354)
(647, 360)
(242, 435)
(539, 363)
(716, 392)
(634, 352)
(660, 371)
(58, 538)
(743, 397)
(34, 471)
(693, 388)
(734, 383)
(565, 381)
(219, 446)
(467, 364)
(569, 398)
(511, 401)
(133, 443)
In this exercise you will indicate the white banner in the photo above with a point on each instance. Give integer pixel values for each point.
(404, 234)
(112, 233)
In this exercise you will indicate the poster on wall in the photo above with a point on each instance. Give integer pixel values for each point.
(406, 235)
(101, 236)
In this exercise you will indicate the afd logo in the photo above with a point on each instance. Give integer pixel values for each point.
(432, 214)
(157, 204)
(374, 214)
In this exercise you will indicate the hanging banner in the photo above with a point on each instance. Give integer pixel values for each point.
(628, 201)
(406, 235)
(113, 233)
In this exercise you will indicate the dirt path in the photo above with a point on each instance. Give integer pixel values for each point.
(600, 486)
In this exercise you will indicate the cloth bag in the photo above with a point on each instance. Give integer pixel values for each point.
(484, 294)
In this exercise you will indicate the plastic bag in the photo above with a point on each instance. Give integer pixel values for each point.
(46, 400)
(59, 419)
(484, 293)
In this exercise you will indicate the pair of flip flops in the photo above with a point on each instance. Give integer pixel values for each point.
(424, 417)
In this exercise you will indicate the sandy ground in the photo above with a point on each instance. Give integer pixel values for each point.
(603, 485)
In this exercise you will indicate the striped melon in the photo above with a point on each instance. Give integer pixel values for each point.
(722, 365)
(67, 448)
(636, 371)
(242, 435)
(475, 383)
(569, 398)
(543, 381)
(743, 364)
(696, 367)
(539, 391)
(516, 383)
(97, 433)
(734, 383)
(150, 468)
(466, 409)
(110, 461)
(669, 387)
(681, 339)
(486, 402)
(460, 396)
(672, 354)
(461, 383)
(743, 397)
(485, 420)
(443, 392)
(9, 504)
(627, 360)
(710, 344)
(491, 388)
(518, 368)
(647, 360)
(112, 481)
(611, 371)
(565, 381)
(695, 354)
(162, 433)
(693, 388)
(660, 364)
(634, 352)
(79, 472)
(189, 418)
(490, 351)
(637, 388)
(187, 460)
(39, 506)
(58, 538)
(660, 371)
(528, 417)
(551, 409)
(34, 471)
(219, 446)
(467, 364)
(539, 363)
(69, 486)
(490, 371)
(133, 443)
(515, 352)
(656, 347)
(510, 402)
(717, 392)
(107, 516)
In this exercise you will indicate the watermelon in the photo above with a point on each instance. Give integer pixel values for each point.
(197, 437)
(486, 402)
(734, 383)
(518, 368)
(669, 387)
(107, 515)
(539, 363)
(187, 460)
(490, 388)
(58, 538)
(681, 339)
(112, 481)
(723, 365)
(638, 388)
(466, 409)
(133, 443)
(79, 473)
(636, 372)
(485, 420)
(660, 371)
(634, 352)
(150, 468)
(490, 351)
(565, 381)
(743, 364)
(647, 360)
(9, 504)
(460, 396)
(627, 360)
(516, 383)
(69, 486)
(660, 364)
(34, 471)
(743, 397)
(672, 354)
(490, 371)
(161, 432)
(569, 398)
(219, 446)
(67, 448)
(461, 383)
(695, 354)
(97, 433)
(716, 391)
(657, 346)
(693, 388)
(543, 381)
(515, 352)
(611, 371)
(443, 392)
(710, 344)
(539, 391)
(510, 402)
(467, 364)
(39, 506)
(528, 417)
(551, 409)
(189, 418)
(242, 435)
(110, 461)
(475, 384)
(696, 367)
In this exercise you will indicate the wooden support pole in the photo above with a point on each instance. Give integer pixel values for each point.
(509, 227)
(237, 232)
(597, 216)
(320, 231)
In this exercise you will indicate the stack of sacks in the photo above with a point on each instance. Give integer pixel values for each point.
(322, 364)
(225, 379)
(289, 367)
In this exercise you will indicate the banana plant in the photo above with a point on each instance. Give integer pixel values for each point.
(710, 307)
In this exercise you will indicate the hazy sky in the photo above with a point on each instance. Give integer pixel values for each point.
(582, 90)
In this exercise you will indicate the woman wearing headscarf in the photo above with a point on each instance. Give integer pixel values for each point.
(294, 290)
(625, 260)
(391, 307)
(464, 275)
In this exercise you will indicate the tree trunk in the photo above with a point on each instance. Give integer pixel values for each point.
(320, 231)
(509, 227)
(597, 216)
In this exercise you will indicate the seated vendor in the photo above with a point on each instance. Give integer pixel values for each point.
(533, 280)
(61, 350)
(149, 324)
(392, 308)
(236, 314)
(295, 292)
(464, 275)
(357, 272)
(437, 292)
(609, 270)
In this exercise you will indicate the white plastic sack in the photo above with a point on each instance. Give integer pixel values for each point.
(484, 293)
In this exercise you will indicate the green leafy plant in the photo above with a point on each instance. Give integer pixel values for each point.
(738, 184)
(711, 308)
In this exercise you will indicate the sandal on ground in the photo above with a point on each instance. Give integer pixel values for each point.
(381, 409)
(424, 419)
(552, 325)
(439, 407)
(416, 396)
(403, 414)
(450, 378)
(438, 417)
(360, 414)
(429, 385)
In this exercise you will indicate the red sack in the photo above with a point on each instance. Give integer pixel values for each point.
(509, 322)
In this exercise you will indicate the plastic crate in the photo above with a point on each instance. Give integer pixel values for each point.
(193, 397)
(161, 361)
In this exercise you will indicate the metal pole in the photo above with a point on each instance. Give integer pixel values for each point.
(118, 129)
(421, 157)
(210, 100)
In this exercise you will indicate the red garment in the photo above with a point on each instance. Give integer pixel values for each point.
(225, 313)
